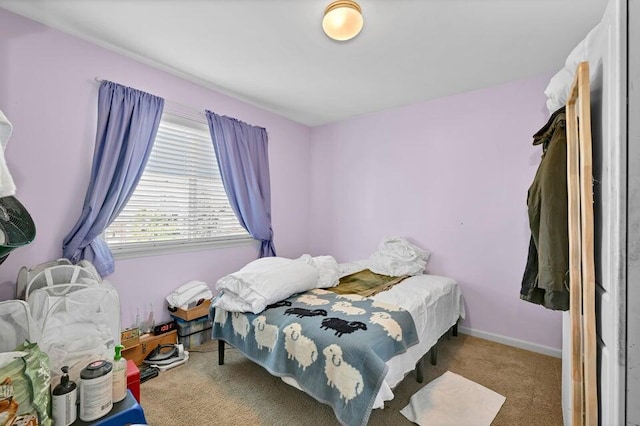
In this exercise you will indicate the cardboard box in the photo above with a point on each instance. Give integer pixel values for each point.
(202, 310)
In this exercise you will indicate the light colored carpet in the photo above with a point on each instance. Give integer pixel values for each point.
(242, 393)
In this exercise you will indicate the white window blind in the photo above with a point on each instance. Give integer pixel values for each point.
(180, 200)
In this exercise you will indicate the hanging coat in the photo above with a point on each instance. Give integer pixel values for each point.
(546, 275)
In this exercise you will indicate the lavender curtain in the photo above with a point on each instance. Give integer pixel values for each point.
(241, 150)
(128, 121)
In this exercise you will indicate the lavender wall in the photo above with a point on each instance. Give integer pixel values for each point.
(48, 92)
(452, 175)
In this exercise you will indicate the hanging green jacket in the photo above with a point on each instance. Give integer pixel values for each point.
(546, 276)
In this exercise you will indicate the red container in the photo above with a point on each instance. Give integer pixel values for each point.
(133, 379)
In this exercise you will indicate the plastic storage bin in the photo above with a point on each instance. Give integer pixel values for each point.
(195, 332)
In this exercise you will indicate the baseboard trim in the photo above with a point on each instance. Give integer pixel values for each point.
(517, 343)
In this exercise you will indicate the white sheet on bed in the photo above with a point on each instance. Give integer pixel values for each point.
(435, 303)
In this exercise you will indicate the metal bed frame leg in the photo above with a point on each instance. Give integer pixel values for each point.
(420, 371)
(434, 354)
(220, 352)
(420, 365)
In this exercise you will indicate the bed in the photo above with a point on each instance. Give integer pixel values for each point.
(433, 304)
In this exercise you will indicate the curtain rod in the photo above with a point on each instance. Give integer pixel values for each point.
(176, 107)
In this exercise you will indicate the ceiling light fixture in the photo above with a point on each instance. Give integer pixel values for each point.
(342, 20)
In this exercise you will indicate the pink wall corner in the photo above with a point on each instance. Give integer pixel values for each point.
(48, 92)
(451, 175)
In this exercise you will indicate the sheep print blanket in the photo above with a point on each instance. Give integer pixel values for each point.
(334, 345)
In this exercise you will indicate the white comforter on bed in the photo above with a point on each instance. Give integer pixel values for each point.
(271, 279)
(436, 304)
(262, 282)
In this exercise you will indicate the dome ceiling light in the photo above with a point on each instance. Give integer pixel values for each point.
(342, 20)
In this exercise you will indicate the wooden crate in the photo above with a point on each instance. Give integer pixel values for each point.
(149, 342)
(130, 338)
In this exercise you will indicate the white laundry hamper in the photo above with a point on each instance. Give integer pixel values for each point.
(60, 271)
(78, 322)
(16, 325)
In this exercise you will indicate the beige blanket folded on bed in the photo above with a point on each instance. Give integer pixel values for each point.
(365, 283)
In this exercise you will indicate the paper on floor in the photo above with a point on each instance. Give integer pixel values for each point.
(453, 400)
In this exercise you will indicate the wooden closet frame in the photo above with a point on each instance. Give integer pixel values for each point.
(584, 396)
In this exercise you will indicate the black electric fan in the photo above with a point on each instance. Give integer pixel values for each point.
(16, 226)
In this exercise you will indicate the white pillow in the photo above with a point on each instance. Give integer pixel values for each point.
(263, 282)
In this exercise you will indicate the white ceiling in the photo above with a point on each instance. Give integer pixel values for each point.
(273, 53)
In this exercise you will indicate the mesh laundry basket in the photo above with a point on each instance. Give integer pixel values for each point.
(79, 323)
(16, 325)
(60, 271)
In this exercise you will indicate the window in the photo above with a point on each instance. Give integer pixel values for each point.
(179, 203)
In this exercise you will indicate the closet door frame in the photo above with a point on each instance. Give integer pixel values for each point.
(633, 217)
(609, 130)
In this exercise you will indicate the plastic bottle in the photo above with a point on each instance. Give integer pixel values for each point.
(138, 320)
(119, 375)
(64, 398)
(150, 321)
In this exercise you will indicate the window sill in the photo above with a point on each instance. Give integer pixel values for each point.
(161, 250)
